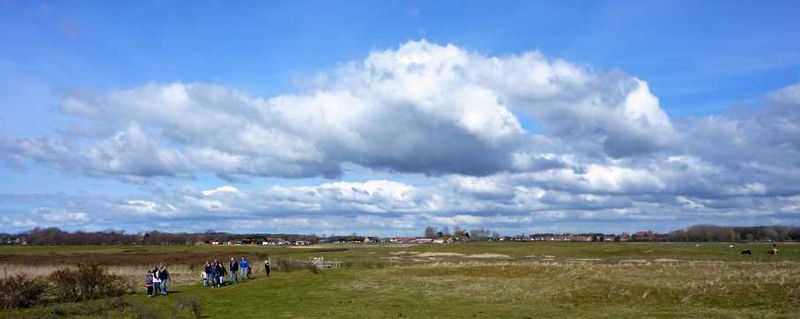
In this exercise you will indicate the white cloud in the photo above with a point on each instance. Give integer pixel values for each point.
(601, 148)
(146, 207)
(420, 108)
(129, 153)
(19, 222)
(221, 190)
(67, 217)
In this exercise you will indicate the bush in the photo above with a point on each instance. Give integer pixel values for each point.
(20, 291)
(192, 305)
(140, 312)
(86, 283)
(283, 265)
(64, 285)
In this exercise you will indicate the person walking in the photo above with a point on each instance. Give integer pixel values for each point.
(233, 266)
(164, 276)
(156, 281)
(148, 283)
(215, 271)
(207, 275)
(244, 266)
(222, 273)
(266, 268)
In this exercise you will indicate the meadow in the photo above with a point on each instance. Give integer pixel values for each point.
(462, 280)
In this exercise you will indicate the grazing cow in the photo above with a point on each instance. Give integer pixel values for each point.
(772, 251)
(746, 252)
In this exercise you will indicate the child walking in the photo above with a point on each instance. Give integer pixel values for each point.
(148, 283)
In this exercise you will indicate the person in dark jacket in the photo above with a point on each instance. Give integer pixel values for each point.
(207, 275)
(222, 273)
(266, 268)
(215, 271)
(163, 274)
(233, 267)
(148, 283)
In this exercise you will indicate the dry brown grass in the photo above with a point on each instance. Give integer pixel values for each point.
(697, 284)
(133, 274)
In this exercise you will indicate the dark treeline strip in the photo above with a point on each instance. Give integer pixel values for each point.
(56, 236)
(736, 233)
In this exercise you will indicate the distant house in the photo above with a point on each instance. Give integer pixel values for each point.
(443, 240)
(404, 240)
(275, 241)
(644, 235)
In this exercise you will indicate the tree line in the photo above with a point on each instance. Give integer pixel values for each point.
(56, 236)
(458, 232)
(736, 233)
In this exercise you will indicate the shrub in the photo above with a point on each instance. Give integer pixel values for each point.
(283, 265)
(20, 291)
(117, 303)
(794, 296)
(374, 264)
(191, 305)
(64, 285)
(86, 283)
(140, 312)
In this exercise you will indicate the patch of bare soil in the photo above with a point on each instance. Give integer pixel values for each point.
(403, 252)
(585, 260)
(488, 256)
(665, 260)
(434, 254)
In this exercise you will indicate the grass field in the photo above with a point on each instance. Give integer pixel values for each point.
(474, 280)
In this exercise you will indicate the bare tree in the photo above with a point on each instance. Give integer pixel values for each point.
(430, 232)
(458, 232)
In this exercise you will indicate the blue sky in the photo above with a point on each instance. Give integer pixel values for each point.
(720, 71)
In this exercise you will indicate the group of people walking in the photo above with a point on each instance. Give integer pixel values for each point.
(156, 281)
(214, 273)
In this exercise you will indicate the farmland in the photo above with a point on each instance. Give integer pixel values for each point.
(473, 280)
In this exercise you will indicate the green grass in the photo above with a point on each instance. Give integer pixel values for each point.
(709, 281)
(706, 251)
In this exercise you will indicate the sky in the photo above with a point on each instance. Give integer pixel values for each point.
(384, 117)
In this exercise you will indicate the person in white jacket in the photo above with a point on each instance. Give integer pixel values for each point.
(156, 281)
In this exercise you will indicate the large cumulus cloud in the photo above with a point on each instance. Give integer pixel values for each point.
(602, 150)
(422, 108)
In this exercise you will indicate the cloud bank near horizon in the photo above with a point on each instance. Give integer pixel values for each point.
(518, 143)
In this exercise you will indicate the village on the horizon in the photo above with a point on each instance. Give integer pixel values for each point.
(696, 233)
